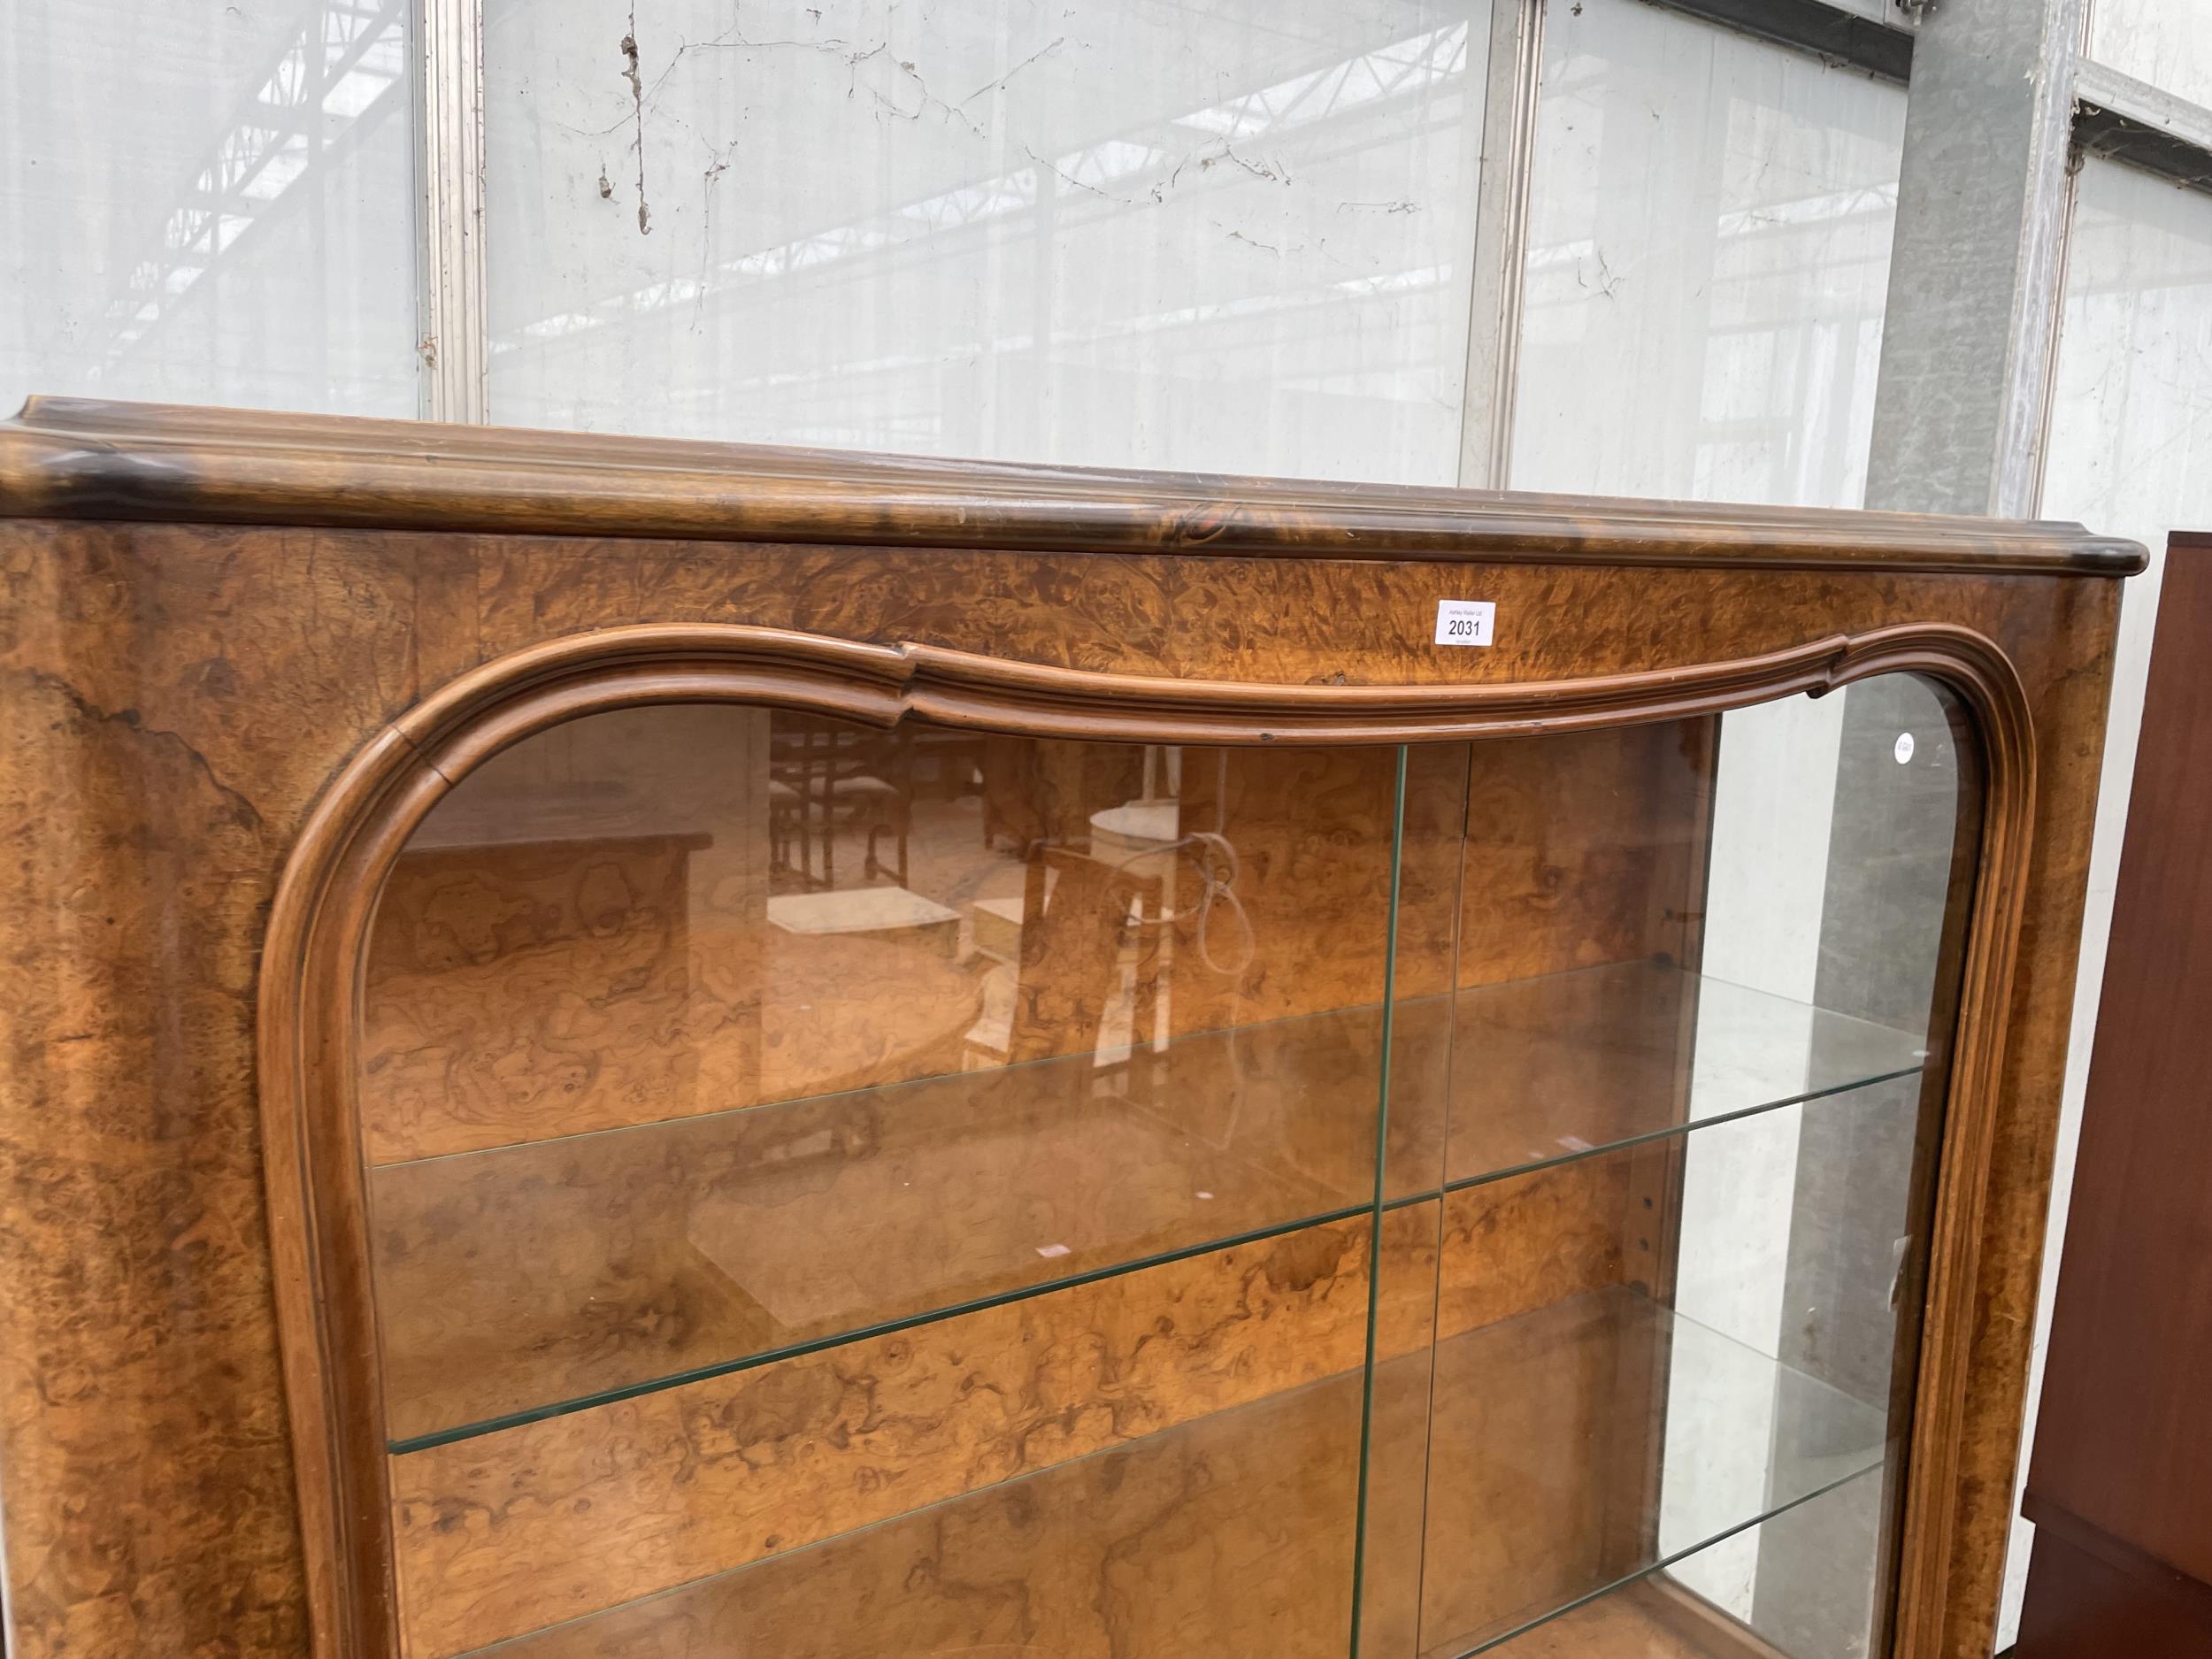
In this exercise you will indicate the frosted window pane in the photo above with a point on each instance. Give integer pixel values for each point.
(2167, 43)
(209, 203)
(1708, 252)
(2131, 423)
(1232, 237)
(2132, 410)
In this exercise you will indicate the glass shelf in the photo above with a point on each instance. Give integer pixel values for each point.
(550, 1276)
(1235, 1533)
(917, 1192)
(1548, 1433)
(1660, 1614)
(1232, 1534)
(554, 1274)
(1571, 1064)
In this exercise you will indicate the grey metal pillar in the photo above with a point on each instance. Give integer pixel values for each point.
(1976, 270)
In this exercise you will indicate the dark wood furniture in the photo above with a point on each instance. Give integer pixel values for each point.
(393, 1080)
(2120, 1486)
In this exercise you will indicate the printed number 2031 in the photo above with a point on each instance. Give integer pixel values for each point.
(1464, 621)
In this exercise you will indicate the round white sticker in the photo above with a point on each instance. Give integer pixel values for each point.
(1904, 747)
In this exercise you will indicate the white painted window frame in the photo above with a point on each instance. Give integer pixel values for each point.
(454, 347)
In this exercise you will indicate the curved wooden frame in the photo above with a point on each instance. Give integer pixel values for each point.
(319, 929)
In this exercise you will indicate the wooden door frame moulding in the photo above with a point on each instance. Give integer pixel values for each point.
(326, 898)
(84, 458)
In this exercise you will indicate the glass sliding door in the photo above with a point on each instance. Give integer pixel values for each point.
(837, 1191)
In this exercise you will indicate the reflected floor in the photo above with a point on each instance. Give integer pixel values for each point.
(1235, 1533)
(1660, 1614)
(1546, 1439)
(532, 1279)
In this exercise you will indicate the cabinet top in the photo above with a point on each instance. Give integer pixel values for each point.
(87, 458)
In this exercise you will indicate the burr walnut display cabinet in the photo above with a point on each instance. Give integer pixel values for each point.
(621, 1048)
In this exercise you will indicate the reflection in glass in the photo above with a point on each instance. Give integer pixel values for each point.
(660, 1002)
(1671, 1272)
(1656, 1616)
(1537, 1478)
(735, 1229)
(1592, 1057)
(925, 1181)
(1226, 1535)
(1803, 1235)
